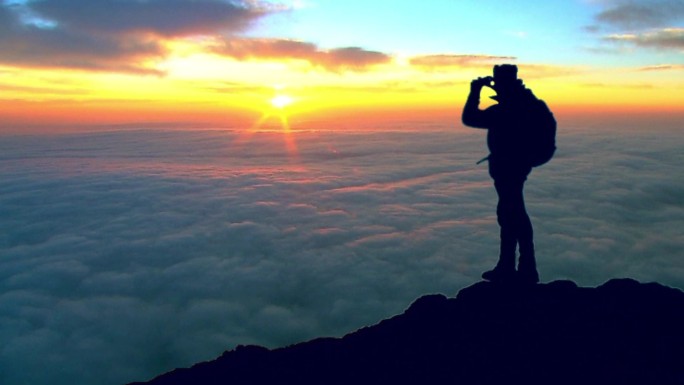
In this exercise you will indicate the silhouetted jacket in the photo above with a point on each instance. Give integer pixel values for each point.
(507, 123)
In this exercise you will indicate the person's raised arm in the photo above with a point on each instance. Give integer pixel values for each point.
(472, 115)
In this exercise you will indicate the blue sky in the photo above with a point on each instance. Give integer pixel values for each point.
(551, 32)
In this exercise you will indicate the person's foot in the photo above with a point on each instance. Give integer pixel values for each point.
(527, 276)
(499, 274)
(527, 269)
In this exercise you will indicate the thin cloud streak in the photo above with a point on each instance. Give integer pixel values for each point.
(664, 39)
(348, 58)
(631, 14)
(663, 67)
(461, 61)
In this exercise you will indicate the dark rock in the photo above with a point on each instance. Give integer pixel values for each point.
(622, 332)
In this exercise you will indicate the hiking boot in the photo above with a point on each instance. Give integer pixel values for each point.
(499, 274)
(527, 269)
(527, 276)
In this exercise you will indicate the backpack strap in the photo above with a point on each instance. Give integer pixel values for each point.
(486, 158)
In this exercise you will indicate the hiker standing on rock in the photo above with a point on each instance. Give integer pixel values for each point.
(521, 135)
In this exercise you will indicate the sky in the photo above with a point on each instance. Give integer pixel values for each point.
(180, 177)
(216, 63)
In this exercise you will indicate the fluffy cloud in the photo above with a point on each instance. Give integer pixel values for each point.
(351, 58)
(127, 254)
(112, 36)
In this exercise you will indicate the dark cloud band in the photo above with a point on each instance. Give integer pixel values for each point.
(161, 17)
(118, 36)
(636, 14)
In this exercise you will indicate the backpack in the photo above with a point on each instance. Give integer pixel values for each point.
(540, 140)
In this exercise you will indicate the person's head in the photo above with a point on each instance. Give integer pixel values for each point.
(506, 79)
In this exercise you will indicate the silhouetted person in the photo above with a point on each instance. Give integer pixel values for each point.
(515, 143)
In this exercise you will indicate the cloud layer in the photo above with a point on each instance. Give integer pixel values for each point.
(128, 254)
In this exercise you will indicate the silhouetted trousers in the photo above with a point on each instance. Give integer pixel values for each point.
(516, 227)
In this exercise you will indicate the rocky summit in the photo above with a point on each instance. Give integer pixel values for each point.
(622, 332)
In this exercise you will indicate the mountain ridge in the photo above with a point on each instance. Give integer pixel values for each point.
(620, 332)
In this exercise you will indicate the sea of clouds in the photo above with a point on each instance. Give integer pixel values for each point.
(126, 254)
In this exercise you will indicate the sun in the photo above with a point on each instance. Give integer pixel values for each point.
(281, 101)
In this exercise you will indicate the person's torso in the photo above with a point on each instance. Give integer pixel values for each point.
(506, 137)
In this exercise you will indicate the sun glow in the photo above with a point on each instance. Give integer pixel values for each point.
(275, 119)
(281, 101)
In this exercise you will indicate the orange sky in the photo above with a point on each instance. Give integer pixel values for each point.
(207, 98)
(62, 69)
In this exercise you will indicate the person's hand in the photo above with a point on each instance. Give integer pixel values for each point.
(477, 84)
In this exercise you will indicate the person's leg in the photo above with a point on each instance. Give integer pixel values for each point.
(524, 234)
(505, 216)
(505, 267)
